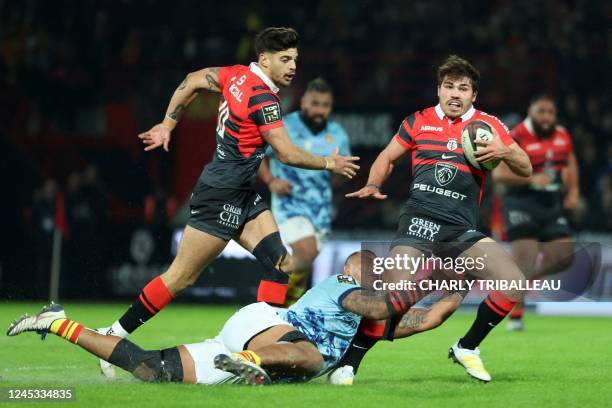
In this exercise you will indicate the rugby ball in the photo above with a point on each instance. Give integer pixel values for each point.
(472, 132)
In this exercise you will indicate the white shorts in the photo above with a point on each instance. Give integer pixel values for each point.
(296, 228)
(245, 324)
(203, 355)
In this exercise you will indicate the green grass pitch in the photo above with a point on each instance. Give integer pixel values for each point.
(558, 361)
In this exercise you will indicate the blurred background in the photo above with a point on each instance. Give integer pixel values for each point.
(80, 79)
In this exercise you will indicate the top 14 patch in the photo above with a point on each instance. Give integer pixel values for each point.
(271, 113)
(346, 279)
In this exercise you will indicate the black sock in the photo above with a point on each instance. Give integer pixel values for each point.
(135, 316)
(360, 345)
(154, 297)
(490, 313)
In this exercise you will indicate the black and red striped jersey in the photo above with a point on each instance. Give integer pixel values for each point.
(444, 185)
(248, 107)
(547, 155)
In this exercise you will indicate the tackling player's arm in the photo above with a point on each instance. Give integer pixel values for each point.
(290, 154)
(418, 320)
(185, 93)
(376, 305)
(380, 170)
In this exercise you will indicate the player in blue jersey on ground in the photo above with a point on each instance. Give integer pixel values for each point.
(302, 199)
(259, 344)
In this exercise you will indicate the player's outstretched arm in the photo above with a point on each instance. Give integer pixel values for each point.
(376, 305)
(419, 320)
(185, 93)
(288, 153)
(380, 170)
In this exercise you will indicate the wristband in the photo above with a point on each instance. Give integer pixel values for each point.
(373, 185)
(329, 163)
(169, 122)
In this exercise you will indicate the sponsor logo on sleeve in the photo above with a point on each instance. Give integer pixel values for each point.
(271, 113)
(346, 279)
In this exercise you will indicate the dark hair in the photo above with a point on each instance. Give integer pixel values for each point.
(456, 67)
(541, 97)
(362, 253)
(318, 85)
(274, 39)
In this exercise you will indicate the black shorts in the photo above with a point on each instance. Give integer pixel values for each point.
(222, 212)
(526, 219)
(432, 236)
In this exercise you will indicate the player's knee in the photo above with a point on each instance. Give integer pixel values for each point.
(159, 366)
(148, 365)
(310, 359)
(304, 356)
(272, 254)
(305, 256)
(288, 264)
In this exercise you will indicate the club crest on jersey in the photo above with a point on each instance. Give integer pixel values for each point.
(329, 138)
(271, 113)
(445, 173)
(452, 144)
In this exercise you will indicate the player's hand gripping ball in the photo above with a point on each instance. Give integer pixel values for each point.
(472, 133)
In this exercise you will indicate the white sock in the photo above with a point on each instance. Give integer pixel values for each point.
(117, 330)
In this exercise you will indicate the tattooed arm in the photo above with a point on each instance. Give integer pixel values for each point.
(370, 304)
(187, 91)
(417, 320)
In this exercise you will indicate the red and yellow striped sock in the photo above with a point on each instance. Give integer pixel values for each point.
(249, 356)
(68, 329)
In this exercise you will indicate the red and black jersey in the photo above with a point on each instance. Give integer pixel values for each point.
(444, 185)
(248, 107)
(547, 155)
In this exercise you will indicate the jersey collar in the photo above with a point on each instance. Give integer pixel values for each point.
(257, 71)
(466, 116)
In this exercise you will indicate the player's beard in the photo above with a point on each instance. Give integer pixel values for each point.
(541, 132)
(314, 126)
